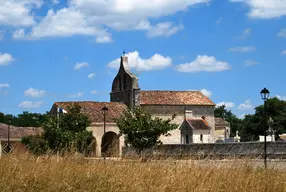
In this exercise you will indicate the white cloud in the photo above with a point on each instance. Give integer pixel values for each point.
(91, 75)
(78, 94)
(18, 12)
(30, 104)
(246, 33)
(265, 9)
(31, 92)
(156, 62)
(283, 52)
(282, 33)
(204, 63)
(80, 65)
(249, 63)
(206, 92)
(5, 59)
(281, 97)
(246, 106)
(228, 105)
(65, 23)
(19, 34)
(93, 92)
(243, 49)
(4, 85)
(219, 20)
(165, 29)
(92, 17)
(241, 116)
(55, 1)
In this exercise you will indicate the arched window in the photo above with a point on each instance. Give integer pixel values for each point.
(187, 139)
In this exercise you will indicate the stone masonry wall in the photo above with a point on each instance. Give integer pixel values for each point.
(166, 112)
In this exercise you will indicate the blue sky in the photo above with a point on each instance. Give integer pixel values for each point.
(56, 50)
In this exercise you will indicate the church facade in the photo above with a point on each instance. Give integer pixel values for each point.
(194, 112)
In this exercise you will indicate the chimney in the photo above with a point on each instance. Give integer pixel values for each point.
(188, 114)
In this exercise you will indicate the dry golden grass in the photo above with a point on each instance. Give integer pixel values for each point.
(28, 173)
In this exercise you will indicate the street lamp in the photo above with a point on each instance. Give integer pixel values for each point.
(265, 95)
(8, 150)
(104, 111)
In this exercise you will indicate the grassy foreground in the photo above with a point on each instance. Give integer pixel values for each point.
(27, 173)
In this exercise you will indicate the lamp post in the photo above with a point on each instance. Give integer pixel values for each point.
(104, 111)
(8, 143)
(265, 95)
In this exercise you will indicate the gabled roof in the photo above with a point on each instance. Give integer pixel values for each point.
(18, 132)
(220, 123)
(174, 98)
(198, 124)
(93, 109)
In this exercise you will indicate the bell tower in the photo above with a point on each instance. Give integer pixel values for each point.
(125, 87)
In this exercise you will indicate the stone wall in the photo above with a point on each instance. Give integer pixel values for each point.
(166, 112)
(217, 150)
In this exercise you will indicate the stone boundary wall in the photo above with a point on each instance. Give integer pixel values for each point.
(212, 150)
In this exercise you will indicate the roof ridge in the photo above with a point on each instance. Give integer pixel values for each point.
(172, 90)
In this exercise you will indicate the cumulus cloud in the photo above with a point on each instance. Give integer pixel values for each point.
(80, 65)
(246, 33)
(265, 9)
(30, 104)
(156, 62)
(78, 94)
(91, 75)
(92, 17)
(246, 106)
(4, 85)
(243, 49)
(283, 52)
(31, 92)
(281, 97)
(249, 63)
(282, 33)
(55, 1)
(5, 59)
(18, 12)
(204, 63)
(206, 92)
(93, 92)
(228, 105)
(165, 29)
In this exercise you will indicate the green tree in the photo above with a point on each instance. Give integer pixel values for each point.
(256, 124)
(64, 133)
(141, 130)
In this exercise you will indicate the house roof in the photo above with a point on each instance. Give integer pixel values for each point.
(198, 124)
(220, 123)
(93, 109)
(174, 98)
(18, 132)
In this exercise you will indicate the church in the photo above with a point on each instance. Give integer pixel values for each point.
(194, 113)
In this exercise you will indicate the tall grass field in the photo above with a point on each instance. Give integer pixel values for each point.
(28, 173)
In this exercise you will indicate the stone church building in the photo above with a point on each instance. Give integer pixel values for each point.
(194, 112)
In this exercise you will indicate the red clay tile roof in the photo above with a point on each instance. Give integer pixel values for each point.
(18, 132)
(174, 98)
(198, 124)
(93, 109)
(221, 123)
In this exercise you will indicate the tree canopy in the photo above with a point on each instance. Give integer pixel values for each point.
(141, 130)
(63, 133)
(253, 125)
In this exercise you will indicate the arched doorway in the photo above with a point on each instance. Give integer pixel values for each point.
(110, 145)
